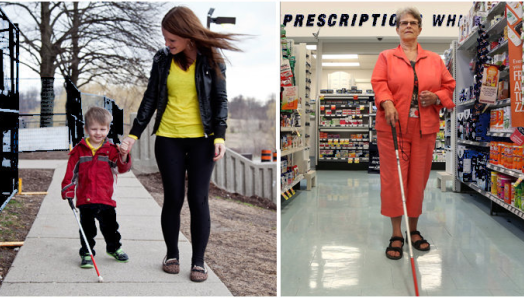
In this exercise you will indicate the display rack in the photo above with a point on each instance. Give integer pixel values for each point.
(298, 154)
(463, 54)
(348, 116)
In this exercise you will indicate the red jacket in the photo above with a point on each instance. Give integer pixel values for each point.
(95, 176)
(393, 78)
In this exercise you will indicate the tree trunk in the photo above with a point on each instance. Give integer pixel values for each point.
(48, 99)
(75, 36)
(47, 68)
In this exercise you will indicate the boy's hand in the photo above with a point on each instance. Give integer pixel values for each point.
(123, 151)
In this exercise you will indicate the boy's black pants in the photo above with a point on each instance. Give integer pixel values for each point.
(106, 216)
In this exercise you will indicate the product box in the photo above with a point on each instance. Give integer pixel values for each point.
(481, 128)
(460, 125)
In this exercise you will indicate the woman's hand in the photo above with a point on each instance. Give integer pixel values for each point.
(127, 145)
(427, 98)
(220, 150)
(391, 112)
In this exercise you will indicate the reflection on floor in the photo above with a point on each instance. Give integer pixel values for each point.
(333, 241)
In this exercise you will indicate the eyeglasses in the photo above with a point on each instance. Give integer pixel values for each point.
(412, 23)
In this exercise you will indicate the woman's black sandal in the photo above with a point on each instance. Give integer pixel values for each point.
(397, 249)
(419, 242)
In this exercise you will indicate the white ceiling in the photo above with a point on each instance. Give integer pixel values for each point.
(368, 51)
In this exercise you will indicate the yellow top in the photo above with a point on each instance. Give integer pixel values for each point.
(182, 119)
(93, 149)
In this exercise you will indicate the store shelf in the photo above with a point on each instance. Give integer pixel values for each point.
(343, 159)
(501, 103)
(295, 182)
(291, 129)
(495, 31)
(503, 47)
(467, 103)
(501, 169)
(480, 144)
(291, 151)
(350, 96)
(346, 127)
(470, 42)
(351, 140)
(344, 106)
(500, 134)
(495, 199)
(344, 116)
(500, 8)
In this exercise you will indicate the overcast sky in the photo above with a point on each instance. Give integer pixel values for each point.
(252, 73)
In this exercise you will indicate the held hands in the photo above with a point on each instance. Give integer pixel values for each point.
(126, 146)
(427, 98)
(220, 150)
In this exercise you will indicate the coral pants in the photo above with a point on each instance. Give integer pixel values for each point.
(416, 155)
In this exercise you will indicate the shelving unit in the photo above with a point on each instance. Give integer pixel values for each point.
(298, 155)
(349, 117)
(464, 53)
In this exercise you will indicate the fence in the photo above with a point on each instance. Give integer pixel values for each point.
(9, 108)
(233, 173)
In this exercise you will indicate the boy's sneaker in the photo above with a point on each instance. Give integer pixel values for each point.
(119, 255)
(86, 262)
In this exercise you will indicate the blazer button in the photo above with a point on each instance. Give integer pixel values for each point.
(88, 199)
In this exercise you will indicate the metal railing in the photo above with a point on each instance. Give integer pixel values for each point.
(9, 108)
(233, 173)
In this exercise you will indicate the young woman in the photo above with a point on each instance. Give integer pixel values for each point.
(187, 89)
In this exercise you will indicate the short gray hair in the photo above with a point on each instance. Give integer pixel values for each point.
(408, 10)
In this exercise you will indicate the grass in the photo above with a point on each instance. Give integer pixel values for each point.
(10, 220)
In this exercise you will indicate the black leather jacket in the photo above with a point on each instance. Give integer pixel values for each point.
(211, 91)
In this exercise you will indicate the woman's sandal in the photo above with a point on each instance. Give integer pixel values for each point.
(419, 242)
(397, 249)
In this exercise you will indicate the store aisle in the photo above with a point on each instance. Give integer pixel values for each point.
(334, 239)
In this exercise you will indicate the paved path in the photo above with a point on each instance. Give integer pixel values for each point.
(48, 263)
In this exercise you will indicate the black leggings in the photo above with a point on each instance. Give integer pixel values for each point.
(174, 157)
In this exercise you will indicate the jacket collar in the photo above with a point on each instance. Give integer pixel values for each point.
(83, 143)
(398, 52)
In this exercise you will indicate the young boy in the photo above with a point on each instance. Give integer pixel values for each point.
(92, 168)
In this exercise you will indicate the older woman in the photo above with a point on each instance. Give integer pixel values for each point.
(411, 86)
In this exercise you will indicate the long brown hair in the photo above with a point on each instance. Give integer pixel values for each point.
(183, 22)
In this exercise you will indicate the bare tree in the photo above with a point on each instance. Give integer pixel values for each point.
(88, 41)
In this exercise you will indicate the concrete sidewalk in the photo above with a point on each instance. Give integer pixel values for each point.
(48, 263)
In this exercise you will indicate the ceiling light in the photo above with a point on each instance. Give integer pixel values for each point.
(340, 64)
(340, 57)
(312, 47)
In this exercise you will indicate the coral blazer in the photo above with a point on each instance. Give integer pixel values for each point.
(393, 79)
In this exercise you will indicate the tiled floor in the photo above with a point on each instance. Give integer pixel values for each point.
(333, 242)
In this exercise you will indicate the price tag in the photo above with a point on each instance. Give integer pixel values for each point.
(350, 160)
(357, 160)
(285, 196)
(292, 191)
(362, 107)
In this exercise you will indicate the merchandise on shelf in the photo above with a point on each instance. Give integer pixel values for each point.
(472, 166)
(507, 155)
(290, 141)
(500, 120)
